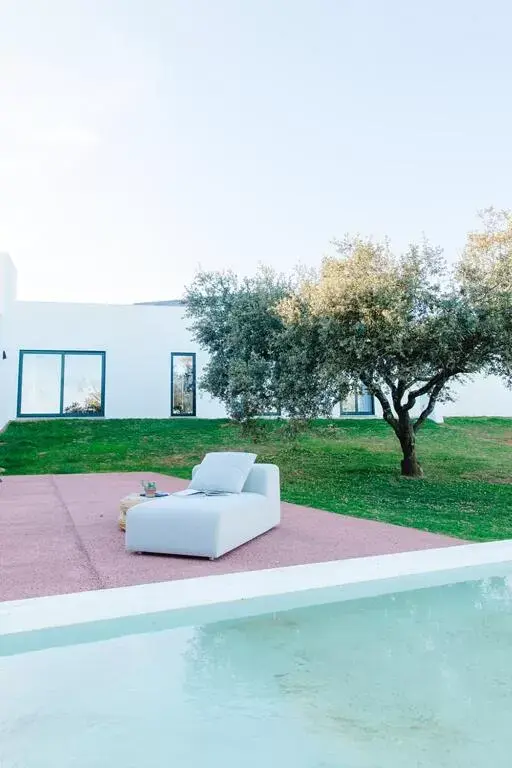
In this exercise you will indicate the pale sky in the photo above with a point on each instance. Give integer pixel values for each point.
(139, 138)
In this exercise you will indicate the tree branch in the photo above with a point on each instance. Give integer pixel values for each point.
(430, 406)
(397, 390)
(439, 378)
(387, 413)
(401, 387)
(395, 397)
(398, 393)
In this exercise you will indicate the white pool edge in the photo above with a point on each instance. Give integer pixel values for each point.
(238, 594)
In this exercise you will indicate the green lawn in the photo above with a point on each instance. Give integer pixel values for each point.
(345, 466)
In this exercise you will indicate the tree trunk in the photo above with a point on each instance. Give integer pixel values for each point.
(410, 465)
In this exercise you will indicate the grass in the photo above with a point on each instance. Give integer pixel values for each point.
(347, 466)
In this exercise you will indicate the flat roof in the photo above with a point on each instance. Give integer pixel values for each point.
(168, 303)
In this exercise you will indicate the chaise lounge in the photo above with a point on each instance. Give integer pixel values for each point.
(203, 525)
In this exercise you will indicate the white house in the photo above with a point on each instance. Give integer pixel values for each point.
(133, 361)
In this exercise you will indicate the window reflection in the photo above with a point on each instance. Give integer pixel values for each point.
(183, 385)
(40, 387)
(82, 384)
(349, 404)
(357, 403)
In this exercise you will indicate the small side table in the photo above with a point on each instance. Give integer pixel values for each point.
(127, 503)
(131, 501)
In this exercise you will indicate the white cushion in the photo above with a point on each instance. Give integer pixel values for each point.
(225, 472)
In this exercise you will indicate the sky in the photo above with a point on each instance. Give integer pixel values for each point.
(141, 140)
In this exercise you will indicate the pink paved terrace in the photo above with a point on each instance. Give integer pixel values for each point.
(58, 533)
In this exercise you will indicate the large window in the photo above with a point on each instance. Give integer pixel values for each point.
(358, 403)
(183, 384)
(55, 383)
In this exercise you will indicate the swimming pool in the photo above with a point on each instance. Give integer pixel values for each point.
(417, 674)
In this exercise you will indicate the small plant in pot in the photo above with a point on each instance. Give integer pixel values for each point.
(149, 488)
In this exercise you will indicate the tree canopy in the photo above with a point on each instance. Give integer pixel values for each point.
(404, 325)
(255, 356)
(485, 276)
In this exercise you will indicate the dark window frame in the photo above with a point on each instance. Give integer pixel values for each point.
(62, 353)
(371, 412)
(194, 384)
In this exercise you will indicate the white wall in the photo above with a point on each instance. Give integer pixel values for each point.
(484, 396)
(5, 393)
(138, 341)
(7, 298)
(7, 283)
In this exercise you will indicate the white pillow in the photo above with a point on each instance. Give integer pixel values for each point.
(224, 472)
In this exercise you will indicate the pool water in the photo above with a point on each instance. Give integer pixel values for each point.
(420, 678)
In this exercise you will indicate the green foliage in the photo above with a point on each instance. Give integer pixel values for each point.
(398, 323)
(290, 429)
(402, 324)
(345, 466)
(91, 405)
(258, 364)
(485, 275)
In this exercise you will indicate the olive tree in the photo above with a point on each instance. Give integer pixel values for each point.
(485, 276)
(403, 325)
(400, 324)
(258, 364)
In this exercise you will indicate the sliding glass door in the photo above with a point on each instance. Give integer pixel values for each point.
(61, 383)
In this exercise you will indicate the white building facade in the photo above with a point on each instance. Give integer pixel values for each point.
(134, 361)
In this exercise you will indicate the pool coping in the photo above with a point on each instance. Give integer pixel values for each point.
(43, 622)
